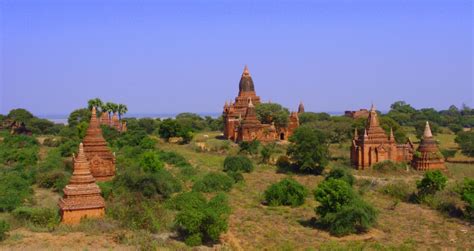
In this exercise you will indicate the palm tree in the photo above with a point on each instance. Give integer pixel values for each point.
(96, 102)
(109, 108)
(113, 107)
(121, 109)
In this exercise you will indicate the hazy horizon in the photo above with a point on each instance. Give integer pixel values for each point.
(166, 57)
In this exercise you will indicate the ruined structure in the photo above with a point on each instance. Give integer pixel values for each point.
(427, 156)
(374, 145)
(19, 128)
(240, 118)
(82, 197)
(101, 159)
(362, 113)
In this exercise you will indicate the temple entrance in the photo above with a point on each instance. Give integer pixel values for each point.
(282, 136)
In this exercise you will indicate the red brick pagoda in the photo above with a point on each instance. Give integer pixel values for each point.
(101, 159)
(427, 156)
(240, 119)
(82, 197)
(374, 146)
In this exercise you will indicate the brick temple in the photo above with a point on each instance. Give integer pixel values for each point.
(240, 118)
(375, 146)
(82, 198)
(427, 156)
(101, 159)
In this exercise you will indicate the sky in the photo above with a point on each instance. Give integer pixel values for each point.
(188, 56)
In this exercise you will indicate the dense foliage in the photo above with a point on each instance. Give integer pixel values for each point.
(309, 150)
(432, 182)
(201, 221)
(341, 210)
(238, 163)
(466, 142)
(341, 173)
(214, 182)
(287, 192)
(269, 113)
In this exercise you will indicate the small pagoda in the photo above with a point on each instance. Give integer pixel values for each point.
(101, 159)
(82, 197)
(427, 156)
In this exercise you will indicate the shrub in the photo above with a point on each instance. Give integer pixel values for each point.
(342, 174)
(432, 182)
(205, 222)
(187, 200)
(56, 179)
(387, 166)
(4, 228)
(106, 188)
(68, 147)
(238, 164)
(37, 217)
(14, 189)
(341, 210)
(287, 192)
(354, 217)
(213, 182)
(161, 182)
(236, 176)
(249, 147)
(267, 152)
(174, 158)
(466, 142)
(150, 162)
(467, 195)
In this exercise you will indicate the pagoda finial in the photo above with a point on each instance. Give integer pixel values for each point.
(94, 111)
(246, 71)
(391, 137)
(365, 134)
(427, 133)
(372, 108)
(356, 134)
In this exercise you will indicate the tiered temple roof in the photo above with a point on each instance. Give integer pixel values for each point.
(82, 196)
(101, 159)
(427, 156)
(301, 108)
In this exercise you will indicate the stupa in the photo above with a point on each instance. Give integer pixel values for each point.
(101, 159)
(301, 108)
(82, 197)
(427, 156)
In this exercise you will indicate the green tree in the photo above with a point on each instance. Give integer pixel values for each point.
(287, 192)
(341, 173)
(169, 128)
(78, 116)
(238, 164)
(96, 102)
(267, 151)
(432, 182)
(20, 115)
(309, 150)
(121, 109)
(466, 142)
(312, 117)
(272, 112)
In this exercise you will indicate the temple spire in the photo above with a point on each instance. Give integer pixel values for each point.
(246, 71)
(427, 133)
(391, 137)
(356, 134)
(365, 133)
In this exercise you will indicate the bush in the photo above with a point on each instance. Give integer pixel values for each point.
(342, 174)
(37, 217)
(238, 164)
(355, 217)
(236, 176)
(432, 182)
(250, 147)
(14, 189)
(341, 210)
(106, 188)
(161, 182)
(205, 222)
(287, 192)
(56, 179)
(267, 152)
(187, 200)
(467, 195)
(174, 158)
(388, 166)
(466, 142)
(150, 162)
(4, 228)
(214, 182)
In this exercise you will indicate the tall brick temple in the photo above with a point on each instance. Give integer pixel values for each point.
(375, 146)
(240, 118)
(82, 198)
(428, 156)
(101, 159)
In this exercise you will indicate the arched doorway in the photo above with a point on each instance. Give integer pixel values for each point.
(282, 136)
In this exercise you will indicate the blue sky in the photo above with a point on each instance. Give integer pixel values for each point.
(176, 56)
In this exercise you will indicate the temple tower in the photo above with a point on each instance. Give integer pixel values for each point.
(427, 156)
(301, 108)
(101, 159)
(82, 197)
